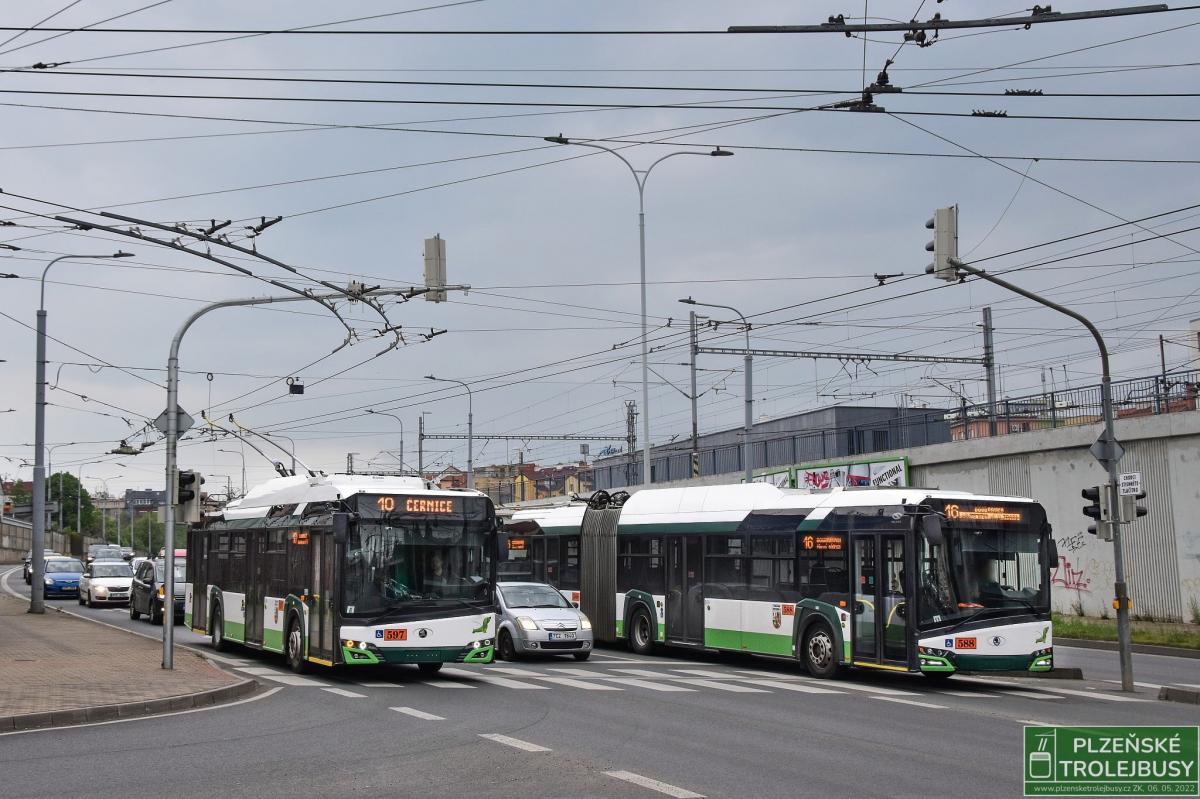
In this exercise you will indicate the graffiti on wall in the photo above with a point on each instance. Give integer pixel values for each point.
(1068, 577)
(1072, 543)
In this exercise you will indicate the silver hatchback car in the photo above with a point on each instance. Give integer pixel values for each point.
(535, 618)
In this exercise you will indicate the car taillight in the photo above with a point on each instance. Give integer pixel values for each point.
(162, 592)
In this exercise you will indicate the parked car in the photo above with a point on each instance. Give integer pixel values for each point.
(148, 592)
(105, 581)
(27, 562)
(103, 552)
(62, 577)
(535, 618)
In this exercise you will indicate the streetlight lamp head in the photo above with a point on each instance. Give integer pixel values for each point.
(718, 151)
(688, 301)
(430, 377)
(559, 139)
(122, 254)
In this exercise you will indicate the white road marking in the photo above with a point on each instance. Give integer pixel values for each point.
(722, 686)
(446, 684)
(344, 692)
(1034, 722)
(380, 684)
(263, 695)
(913, 702)
(1030, 694)
(1091, 694)
(720, 675)
(286, 679)
(643, 673)
(793, 686)
(418, 714)
(874, 689)
(228, 660)
(581, 684)
(971, 694)
(515, 743)
(1155, 686)
(654, 785)
(647, 684)
(503, 682)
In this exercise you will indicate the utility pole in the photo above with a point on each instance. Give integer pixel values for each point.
(350, 462)
(1165, 392)
(692, 344)
(421, 444)
(631, 439)
(989, 366)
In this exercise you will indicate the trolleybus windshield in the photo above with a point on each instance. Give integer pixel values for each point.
(407, 552)
(991, 561)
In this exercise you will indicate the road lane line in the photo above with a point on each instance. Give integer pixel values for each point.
(874, 689)
(503, 682)
(792, 686)
(719, 675)
(654, 785)
(515, 743)
(418, 714)
(568, 682)
(379, 685)
(721, 686)
(643, 673)
(648, 685)
(445, 684)
(970, 694)
(1034, 722)
(1030, 694)
(344, 692)
(1155, 686)
(1091, 694)
(279, 676)
(913, 702)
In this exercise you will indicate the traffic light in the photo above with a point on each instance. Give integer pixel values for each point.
(945, 242)
(1098, 509)
(1130, 510)
(188, 509)
(8, 507)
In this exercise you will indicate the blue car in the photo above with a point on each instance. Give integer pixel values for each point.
(62, 577)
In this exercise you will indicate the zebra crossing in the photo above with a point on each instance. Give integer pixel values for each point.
(671, 678)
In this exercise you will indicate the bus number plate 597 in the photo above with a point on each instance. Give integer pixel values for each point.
(395, 635)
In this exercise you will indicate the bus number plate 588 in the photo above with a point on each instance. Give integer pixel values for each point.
(395, 635)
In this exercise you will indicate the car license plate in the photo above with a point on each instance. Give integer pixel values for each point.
(562, 636)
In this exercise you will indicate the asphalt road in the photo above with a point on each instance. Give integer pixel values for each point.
(617, 726)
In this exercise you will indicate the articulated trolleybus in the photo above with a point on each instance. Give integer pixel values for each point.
(901, 579)
(348, 569)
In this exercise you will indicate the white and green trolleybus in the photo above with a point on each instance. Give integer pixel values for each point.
(348, 569)
(900, 579)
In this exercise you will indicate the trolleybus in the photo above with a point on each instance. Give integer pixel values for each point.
(348, 569)
(900, 579)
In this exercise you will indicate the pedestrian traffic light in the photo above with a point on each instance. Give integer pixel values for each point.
(1130, 509)
(188, 506)
(945, 243)
(1098, 509)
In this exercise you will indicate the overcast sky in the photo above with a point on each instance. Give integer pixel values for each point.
(787, 232)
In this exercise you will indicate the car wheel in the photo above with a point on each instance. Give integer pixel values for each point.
(429, 668)
(79, 599)
(293, 647)
(507, 650)
(133, 612)
(582, 656)
(641, 637)
(154, 617)
(91, 603)
(818, 653)
(218, 630)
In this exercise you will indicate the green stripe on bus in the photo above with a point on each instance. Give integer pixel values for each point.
(740, 641)
(273, 640)
(235, 631)
(682, 528)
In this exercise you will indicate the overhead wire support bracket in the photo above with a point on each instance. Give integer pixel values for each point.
(1040, 16)
(852, 357)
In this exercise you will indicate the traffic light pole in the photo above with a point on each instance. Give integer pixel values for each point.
(1124, 645)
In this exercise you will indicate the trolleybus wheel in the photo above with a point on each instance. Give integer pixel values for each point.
(429, 668)
(641, 637)
(507, 650)
(819, 655)
(218, 630)
(294, 647)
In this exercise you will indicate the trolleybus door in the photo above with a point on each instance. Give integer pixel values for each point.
(256, 543)
(198, 564)
(685, 604)
(879, 629)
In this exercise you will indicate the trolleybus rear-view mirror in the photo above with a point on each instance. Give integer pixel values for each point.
(1052, 546)
(341, 527)
(931, 528)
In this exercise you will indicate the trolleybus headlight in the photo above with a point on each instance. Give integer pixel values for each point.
(584, 622)
(527, 624)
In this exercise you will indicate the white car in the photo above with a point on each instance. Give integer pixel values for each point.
(106, 581)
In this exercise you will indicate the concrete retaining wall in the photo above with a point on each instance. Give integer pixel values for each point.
(16, 538)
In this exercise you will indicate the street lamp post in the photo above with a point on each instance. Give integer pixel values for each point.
(470, 427)
(747, 448)
(50, 474)
(401, 421)
(293, 449)
(243, 457)
(104, 513)
(640, 176)
(37, 600)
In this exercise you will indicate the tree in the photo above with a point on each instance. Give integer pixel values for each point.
(143, 523)
(64, 488)
(21, 493)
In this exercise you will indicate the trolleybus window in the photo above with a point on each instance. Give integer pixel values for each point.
(433, 556)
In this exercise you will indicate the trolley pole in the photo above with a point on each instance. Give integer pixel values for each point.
(1110, 457)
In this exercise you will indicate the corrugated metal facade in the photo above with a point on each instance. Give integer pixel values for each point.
(1151, 546)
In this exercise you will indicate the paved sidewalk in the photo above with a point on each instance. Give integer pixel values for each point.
(68, 670)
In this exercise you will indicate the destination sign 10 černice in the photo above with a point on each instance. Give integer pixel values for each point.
(983, 513)
(389, 504)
